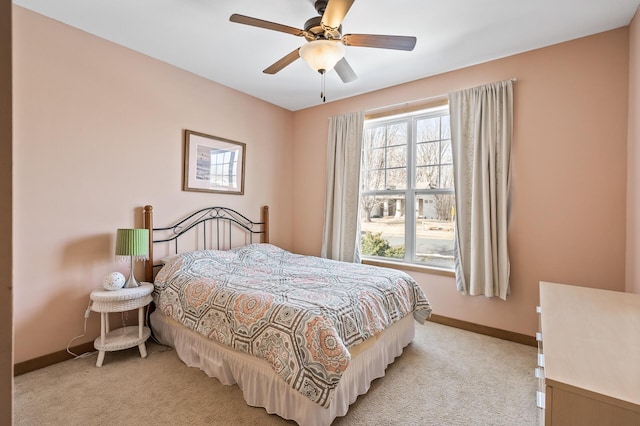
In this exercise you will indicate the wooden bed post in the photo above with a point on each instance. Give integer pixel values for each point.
(265, 219)
(148, 224)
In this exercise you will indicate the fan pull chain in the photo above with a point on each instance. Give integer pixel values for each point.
(322, 87)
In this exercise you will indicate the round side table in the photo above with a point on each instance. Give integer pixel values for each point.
(122, 300)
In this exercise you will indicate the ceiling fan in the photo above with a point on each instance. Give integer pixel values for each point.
(325, 39)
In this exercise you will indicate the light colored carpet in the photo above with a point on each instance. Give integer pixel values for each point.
(446, 376)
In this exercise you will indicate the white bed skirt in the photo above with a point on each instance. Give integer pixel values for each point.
(261, 386)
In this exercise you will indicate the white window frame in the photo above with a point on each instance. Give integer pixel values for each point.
(411, 192)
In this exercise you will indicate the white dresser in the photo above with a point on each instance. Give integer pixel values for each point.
(591, 355)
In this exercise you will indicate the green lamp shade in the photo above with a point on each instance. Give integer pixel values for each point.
(132, 242)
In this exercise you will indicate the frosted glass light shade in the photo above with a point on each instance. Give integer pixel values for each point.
(132, 242)
(322, 55)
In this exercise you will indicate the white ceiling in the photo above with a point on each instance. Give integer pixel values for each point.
(196, 35)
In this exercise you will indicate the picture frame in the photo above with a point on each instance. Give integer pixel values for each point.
(213, 164)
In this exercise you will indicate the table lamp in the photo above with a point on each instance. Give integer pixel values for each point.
(133, 243)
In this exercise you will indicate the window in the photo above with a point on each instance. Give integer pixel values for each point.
(407, 200)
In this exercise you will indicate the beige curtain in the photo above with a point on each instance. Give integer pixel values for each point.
(481, 133)
(344, 146)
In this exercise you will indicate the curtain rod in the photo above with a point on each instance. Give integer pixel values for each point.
(405, 104)
(414, 102)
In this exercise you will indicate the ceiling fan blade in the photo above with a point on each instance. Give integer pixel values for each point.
(283, 62)
(255, 22)
(380, 41)
(334, 13)
(345, 72)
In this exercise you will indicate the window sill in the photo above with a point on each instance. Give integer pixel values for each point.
(409, 267)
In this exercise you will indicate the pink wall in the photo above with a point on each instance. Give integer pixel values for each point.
(97, 135)
(633, 162)
(569, 172)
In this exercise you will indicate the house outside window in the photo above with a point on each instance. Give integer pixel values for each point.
(407, 197)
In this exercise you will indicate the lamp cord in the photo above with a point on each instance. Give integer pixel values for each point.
(86, 317)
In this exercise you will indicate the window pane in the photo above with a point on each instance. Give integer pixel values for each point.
(427, 177)
(428, 129)
(447, 156)
(428, 154)
(434, 230)
(397, 134)
(397, 156)
(446, 177)
(373, 159)
(445, 127)
(396, 179)
(374, 180)
(382, 226)
(374, 137)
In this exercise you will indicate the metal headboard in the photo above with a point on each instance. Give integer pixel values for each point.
(213, 216)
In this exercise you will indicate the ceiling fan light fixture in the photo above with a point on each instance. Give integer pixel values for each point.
(322, 55)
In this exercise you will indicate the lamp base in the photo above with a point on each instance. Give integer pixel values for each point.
(131, 282)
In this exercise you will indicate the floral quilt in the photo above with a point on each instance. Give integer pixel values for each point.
(299, 313)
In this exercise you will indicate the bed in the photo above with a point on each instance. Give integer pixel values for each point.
(300, 335)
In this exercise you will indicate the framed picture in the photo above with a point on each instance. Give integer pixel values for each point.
(213, 164)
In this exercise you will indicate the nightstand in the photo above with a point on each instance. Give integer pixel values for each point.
(122, 300)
